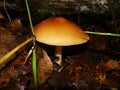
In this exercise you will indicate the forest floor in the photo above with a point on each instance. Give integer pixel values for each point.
(89, 66)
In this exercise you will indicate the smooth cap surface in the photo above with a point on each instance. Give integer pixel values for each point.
(59, 31)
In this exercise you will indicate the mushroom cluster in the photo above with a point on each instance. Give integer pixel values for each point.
(58, 31)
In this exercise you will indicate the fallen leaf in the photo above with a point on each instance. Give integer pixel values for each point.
(44, 66)
(4, 82)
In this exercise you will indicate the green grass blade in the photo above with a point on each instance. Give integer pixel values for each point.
(34, 67)
(101, 33)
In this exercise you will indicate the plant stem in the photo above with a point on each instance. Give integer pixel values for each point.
(34, 67)
(6, 58)
(101, 33)
(58, 54)
(29, 16)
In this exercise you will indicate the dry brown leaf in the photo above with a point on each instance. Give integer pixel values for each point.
(4, 82)
(112, 64)
(44, 66)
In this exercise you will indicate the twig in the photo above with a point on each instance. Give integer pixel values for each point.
(6, 58)
(4, 5)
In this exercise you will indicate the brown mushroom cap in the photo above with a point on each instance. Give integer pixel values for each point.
(59, 32)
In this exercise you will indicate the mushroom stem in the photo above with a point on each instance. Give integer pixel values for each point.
(59, 55)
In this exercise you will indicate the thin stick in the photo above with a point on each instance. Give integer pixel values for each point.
(6, 58)
(4, 5)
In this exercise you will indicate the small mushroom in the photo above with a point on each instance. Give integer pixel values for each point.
(58, 31)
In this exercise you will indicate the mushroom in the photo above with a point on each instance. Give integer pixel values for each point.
(58, 31)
